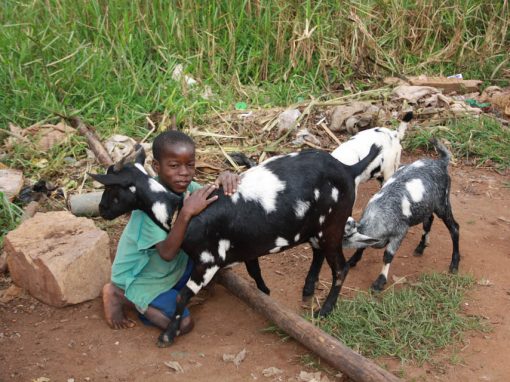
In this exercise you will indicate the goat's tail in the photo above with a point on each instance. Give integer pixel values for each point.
(444, 154)
(403, 124)
(356, 169)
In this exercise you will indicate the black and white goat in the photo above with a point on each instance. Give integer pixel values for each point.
(281, 203)
(410, 197)
(386, 163)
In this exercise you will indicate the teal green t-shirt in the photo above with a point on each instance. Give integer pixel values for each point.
(138, 269)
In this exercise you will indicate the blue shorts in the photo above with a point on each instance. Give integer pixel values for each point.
(166, 302)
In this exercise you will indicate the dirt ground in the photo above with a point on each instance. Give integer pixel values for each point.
(74, 343)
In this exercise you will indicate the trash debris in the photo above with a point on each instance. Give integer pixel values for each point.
(312, 377)
(118, 146)
(42, 136)
(178, 75)
(412, 94)
(236, 359)
(485, 282)
(304, 136)
(287, 120)
(340, 114)
(498, 97)
(485, 106)
(271, 371)
(241, 106)
(458, 76)
(448, 85)
(174, 365)
(38, 190)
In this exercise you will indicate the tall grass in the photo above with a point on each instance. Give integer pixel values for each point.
(9, 216)
(112, 61)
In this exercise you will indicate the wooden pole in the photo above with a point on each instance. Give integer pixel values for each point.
(328, 348)
(92, 139)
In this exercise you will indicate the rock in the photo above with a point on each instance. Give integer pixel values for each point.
(11, 182)
(85, 204)
(59, 258)
(287, 119)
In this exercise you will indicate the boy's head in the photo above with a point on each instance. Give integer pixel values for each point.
(174, 159)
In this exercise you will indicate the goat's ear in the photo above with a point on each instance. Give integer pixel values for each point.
(109, 179)
(139, 154)
(350, 226)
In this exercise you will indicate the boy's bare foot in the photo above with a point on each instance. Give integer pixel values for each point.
(113, 302)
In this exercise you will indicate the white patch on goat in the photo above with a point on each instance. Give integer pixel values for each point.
(261, 185)
(314, 242)
(385, 270)
(316, 193)
(275, 249)
(206, 257)
(330, 209)
(293, 154)
(193, 286)
(416, 189)
(319, 234)
(406, 207)
(296, 238)
(155, 186)
(223, 247)
(426, 237)
(388, 182)
(141, 168)
(161, 213)
(334, 194)
(301, 207)
(321, 219)
(132, 189)
(281, 242)
(208, 275)
(418, 164)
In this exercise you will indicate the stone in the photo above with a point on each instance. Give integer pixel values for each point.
(59, 258)
(11, 182)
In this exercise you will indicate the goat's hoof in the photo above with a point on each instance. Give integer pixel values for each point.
(378, 284)
(322, 312)
(265, 290)
(164, 340)
(418, 252)
(454, 269)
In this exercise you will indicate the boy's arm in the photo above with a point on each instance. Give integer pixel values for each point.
(193, 205)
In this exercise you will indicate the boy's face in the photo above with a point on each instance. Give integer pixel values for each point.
(176, 167)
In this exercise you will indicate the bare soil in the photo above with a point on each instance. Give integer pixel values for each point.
(74, 342)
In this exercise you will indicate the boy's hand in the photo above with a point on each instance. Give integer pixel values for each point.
(198, 201)
(229, 181)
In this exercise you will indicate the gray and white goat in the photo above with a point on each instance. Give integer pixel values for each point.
(410, 197)
(286, 201)
(386, 163)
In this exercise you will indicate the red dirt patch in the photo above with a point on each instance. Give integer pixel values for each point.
(75, 342)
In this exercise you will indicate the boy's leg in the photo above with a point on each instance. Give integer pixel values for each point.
(114, 302)
(161, 320)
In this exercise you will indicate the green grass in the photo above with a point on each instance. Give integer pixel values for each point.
(111, 62)
(411, 323)
(484, 140)
(9, 216)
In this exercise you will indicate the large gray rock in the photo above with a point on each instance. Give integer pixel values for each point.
(59, 258)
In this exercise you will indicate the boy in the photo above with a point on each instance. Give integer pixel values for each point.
(149, 268)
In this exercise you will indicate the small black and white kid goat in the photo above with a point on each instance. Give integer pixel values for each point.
(281, 203)
(410, 197)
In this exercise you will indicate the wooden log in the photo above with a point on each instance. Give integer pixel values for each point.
(328, 348)
(92, 139)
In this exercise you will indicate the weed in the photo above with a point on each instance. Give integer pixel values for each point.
(410, 323)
